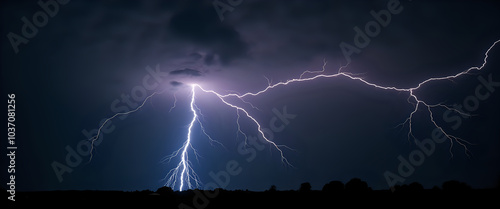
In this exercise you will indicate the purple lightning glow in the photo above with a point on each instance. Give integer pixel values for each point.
(184, 175)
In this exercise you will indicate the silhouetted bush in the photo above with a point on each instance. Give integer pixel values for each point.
(333, 186)
(272, 188)
(436, 189)
(415, 187)
(356, 185)
(455, 186)
(305, 187)
(164, 190)
(147, 191)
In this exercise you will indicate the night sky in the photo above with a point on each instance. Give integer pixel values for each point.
(86, 59)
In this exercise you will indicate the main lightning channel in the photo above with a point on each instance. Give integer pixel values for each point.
(187, 173)
(184, 156)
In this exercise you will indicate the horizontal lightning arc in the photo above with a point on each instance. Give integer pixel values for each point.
(351, 76)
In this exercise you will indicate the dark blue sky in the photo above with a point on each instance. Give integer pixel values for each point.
(87, 60)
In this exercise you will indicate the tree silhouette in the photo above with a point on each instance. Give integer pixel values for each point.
(436, 189)
(455, 186)
(164, 190)
(333, 186)
(356, 185)
(415, 187)
(272, 188)
(305, 187)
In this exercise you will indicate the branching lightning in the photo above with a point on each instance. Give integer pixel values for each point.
(93, 139)
(183, 175)
(187, 174)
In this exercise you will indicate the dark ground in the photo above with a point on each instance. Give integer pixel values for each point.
(166, 198)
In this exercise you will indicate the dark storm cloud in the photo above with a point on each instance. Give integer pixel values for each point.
(199, 24)
(315, 27)
(300, 31)
(209, 59)
(195, 56)
(187, 71)
(176, 83)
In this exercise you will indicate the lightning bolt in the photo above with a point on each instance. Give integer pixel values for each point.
(187, 173)
(94, 138)
(184, 175)
(184, 168)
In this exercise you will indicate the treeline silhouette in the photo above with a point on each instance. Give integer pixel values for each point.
(355, 192)
(354, 185)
